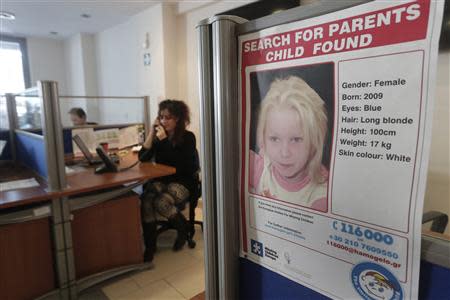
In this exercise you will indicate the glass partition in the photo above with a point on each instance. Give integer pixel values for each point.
(102, 111)
(29, 109)
(5, 153)
(4, 120)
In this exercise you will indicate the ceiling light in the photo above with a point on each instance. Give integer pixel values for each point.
(7, 15)
(86, 16)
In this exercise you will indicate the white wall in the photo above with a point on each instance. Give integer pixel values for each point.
(75, 71)
(173, 70)
(189, 56)
(46, 59)
(171, 43)
(81, 72)
(120, 66)
(48, 62)
(90, 75)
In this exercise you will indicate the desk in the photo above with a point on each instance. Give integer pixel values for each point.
(13, 198)
(102, 221)
(93, 224)
(27, 259)
(87, 181)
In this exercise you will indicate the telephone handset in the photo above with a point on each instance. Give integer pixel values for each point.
(108, 166)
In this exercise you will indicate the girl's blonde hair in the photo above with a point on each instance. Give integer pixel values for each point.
(294, 93)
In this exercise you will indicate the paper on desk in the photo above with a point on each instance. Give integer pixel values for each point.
(136, 148)
(128, 136)
(110, 136)
(18, 184)
(74, 169)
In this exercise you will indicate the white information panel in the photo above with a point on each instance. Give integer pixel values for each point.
(336, 118)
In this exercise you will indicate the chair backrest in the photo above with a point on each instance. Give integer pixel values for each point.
(197, 174)
(197, 161)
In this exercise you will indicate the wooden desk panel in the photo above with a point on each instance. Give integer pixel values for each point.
(26, 260)
(14, 198)
(107, 235)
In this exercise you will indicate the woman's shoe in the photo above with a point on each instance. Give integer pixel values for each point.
(179, 222)
(149, 230)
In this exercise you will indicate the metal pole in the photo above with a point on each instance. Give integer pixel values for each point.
(12, 119)
(147, 121)
(226, 117)
(53, 138)
(52, 132)
(207, 158)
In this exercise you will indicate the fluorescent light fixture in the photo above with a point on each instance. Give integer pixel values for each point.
(7, 15)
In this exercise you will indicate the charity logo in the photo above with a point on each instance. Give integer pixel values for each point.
(374, 282)
(257, 248)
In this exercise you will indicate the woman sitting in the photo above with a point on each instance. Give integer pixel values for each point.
(171, 144)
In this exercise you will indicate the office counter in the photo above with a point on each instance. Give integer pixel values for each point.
(26, 260)
(14, 198)
(27, 248)
(107, 235)
(102, 221)
(73, 238)
(75, 228)
(87, 181)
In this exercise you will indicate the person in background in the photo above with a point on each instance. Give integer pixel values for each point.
(168, 143)
(78, 117)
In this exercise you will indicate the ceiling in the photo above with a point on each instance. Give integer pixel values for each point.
(40, 17)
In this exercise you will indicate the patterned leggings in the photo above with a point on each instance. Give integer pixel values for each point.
(162, 199)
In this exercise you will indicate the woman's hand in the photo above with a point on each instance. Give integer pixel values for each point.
(151, 135)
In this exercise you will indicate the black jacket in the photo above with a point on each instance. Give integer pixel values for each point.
(182, 156)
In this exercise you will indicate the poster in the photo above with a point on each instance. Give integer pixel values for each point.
(336, 121)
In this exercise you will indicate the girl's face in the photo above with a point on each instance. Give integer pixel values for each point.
(168, 121)
(285, 143)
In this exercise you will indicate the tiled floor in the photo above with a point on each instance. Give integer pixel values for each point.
(175, 275)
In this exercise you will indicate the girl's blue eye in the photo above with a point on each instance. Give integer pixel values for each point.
(371, 284)
(274, 139)
(297, 139)
(380, 289)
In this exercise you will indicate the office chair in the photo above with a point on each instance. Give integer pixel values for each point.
(164, 225)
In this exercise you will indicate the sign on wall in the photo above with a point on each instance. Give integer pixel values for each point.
(336, 117)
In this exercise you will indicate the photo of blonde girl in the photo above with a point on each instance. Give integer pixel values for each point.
(291, 128)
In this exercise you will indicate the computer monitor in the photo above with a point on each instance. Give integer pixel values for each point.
(84, 149)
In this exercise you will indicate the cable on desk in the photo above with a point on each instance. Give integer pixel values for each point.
(129, 167)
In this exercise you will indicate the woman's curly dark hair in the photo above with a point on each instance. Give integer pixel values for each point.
(179, 110)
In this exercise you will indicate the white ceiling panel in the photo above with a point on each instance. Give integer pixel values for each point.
(39, 18)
